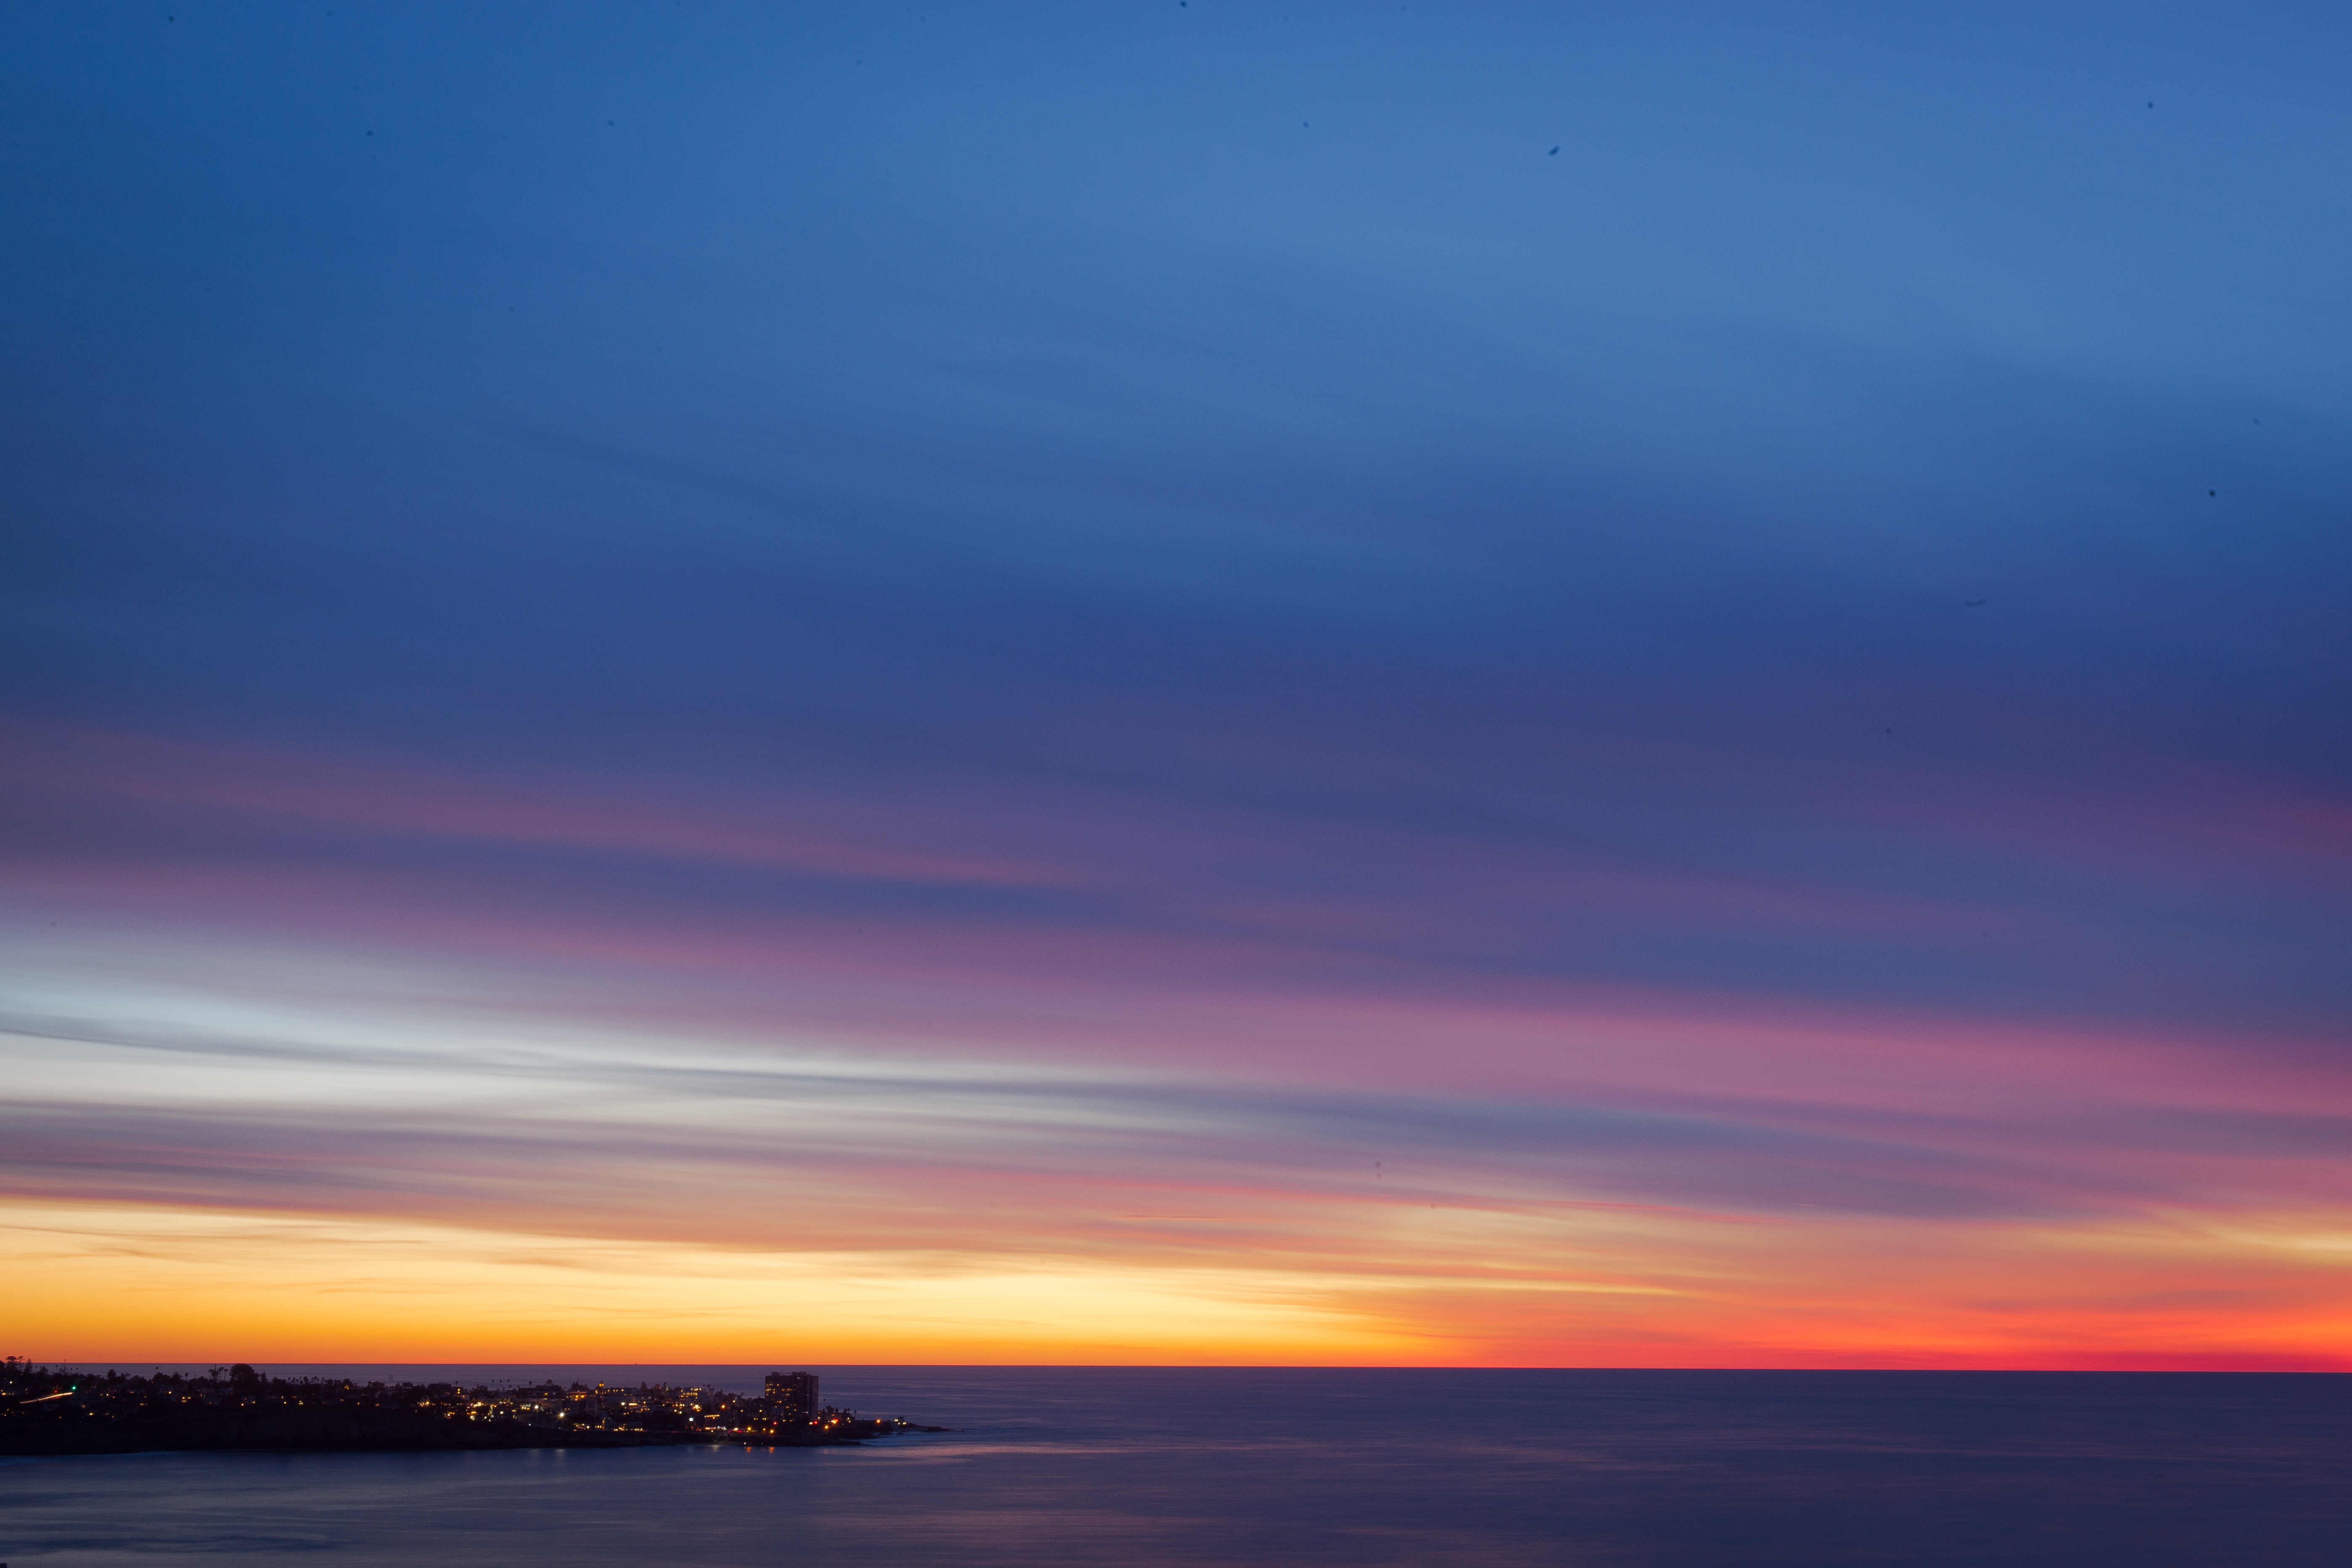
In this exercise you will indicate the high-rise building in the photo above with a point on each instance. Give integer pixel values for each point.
(793, 1395)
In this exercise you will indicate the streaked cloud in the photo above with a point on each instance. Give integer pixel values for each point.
(956, 676)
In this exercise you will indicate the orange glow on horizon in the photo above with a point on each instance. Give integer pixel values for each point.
(112, 1285)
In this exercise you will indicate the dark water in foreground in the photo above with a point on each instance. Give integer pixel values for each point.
(1060, 1466)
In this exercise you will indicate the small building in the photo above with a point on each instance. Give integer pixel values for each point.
(793, 1395)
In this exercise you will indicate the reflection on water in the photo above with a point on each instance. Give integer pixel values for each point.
(1059, 1466)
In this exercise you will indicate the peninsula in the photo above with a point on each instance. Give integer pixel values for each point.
(47, 1410)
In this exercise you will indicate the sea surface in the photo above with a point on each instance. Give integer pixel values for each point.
(1241, 1467)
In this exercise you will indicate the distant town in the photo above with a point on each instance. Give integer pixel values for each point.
(59, 1410)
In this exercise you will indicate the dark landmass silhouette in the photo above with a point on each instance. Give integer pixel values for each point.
(58, 1411)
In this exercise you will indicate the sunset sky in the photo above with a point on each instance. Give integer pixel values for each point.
(1177, 682)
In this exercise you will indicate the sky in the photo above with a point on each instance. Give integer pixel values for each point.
(1177, 682)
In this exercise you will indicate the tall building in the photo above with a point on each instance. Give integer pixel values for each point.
(793, 1395)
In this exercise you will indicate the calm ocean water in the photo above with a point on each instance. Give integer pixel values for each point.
(1232, 1466)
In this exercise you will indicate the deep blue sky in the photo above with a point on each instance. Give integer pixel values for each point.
(1235, 435)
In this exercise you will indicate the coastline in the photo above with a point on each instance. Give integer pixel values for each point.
(50, 1412)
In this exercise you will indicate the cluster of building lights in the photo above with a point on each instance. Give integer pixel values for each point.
(788, 1404)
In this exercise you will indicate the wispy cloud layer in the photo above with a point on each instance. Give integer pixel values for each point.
(1155, 660)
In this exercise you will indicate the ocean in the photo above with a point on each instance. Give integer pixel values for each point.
(1226, 1465)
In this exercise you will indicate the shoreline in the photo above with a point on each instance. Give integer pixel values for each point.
(50, 1413)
